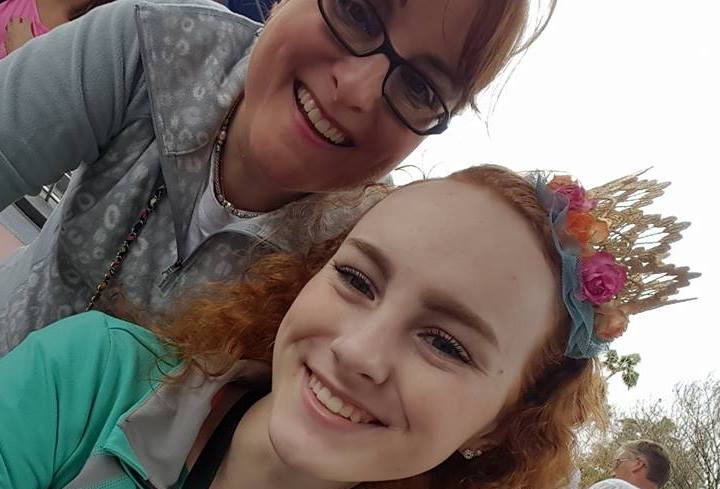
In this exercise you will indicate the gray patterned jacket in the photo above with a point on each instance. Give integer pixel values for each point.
(137, 90)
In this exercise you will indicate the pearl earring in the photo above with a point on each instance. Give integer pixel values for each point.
(469, 453)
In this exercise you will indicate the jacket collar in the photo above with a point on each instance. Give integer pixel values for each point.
(195, 59)
(155, 436)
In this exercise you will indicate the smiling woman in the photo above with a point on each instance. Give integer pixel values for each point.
(198, 136)
(355, 364)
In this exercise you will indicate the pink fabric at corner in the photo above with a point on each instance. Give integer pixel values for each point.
(27, 9)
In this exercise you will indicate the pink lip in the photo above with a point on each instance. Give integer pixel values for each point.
(322, 415)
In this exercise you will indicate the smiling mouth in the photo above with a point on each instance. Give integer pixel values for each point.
(317, 121)
(341, 408)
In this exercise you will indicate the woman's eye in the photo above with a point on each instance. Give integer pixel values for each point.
(358, 15)
(446, 345)
(356, 280)
(418, 90)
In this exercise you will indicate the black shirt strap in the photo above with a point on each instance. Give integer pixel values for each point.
(206, 466)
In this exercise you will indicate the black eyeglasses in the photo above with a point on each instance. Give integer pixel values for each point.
(411, 96)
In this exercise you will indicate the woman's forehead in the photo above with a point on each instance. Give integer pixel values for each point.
(437, 28)
(454, 223)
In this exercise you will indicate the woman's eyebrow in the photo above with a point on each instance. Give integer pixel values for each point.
(440, 302)
(374, 254)
(385, 9)
(437, 65)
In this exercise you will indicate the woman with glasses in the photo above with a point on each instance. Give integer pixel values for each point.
(196, 137)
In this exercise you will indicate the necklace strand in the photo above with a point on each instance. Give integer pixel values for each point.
(217, 183)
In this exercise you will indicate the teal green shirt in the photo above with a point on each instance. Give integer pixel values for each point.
(82, 405)
(64, 390)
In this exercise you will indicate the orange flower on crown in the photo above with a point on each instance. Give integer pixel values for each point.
(586, 229)
(610, 322)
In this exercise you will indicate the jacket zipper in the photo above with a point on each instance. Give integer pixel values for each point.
(169, 274)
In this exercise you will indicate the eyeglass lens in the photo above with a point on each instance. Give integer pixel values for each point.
(358, 27)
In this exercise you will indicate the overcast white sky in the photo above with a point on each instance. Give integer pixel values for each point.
(612, 87)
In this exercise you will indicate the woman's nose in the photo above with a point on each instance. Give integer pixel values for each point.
(358, 81)
(365, 353)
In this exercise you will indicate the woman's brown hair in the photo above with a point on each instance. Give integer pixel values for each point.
(500, 30)
(533, 444)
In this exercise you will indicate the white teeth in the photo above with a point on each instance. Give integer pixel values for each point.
(324, 395)
(334, 404)
(334, 135)
(346, 411)
(315, 116)
(323, 125)
(337, 405)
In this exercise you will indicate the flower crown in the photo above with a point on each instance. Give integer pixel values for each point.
(612, 255)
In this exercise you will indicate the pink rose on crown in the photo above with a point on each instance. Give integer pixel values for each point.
(601, 277)
(574, 192)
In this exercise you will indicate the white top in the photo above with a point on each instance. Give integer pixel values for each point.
(612, 484)
(209, 216)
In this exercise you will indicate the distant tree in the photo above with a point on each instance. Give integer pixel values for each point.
(689, 429)
(697, 411)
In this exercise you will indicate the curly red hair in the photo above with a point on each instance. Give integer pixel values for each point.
(534, 440)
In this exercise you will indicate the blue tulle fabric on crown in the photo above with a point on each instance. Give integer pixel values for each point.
(582, 342)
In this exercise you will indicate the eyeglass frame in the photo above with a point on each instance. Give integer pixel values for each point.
(618, 461)
(396, 61)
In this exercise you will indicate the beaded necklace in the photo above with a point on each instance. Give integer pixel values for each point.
(158, 193)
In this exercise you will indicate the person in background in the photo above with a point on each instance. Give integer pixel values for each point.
(641, 464)
(21, 20)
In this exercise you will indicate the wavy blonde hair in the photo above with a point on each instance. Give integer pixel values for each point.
(534, 441)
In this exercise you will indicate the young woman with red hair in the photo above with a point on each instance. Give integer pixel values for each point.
(432, 346)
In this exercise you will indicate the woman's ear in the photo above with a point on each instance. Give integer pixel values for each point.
(483, 440)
